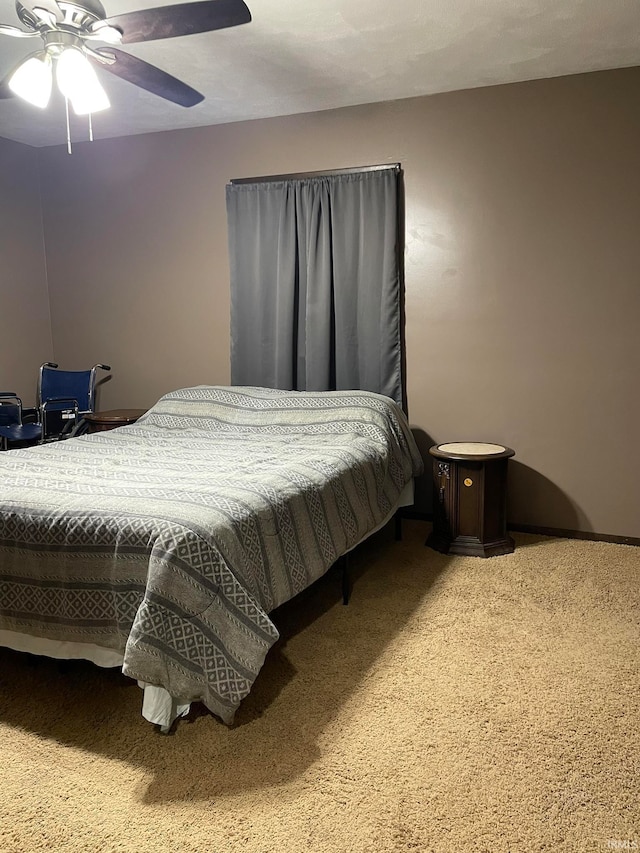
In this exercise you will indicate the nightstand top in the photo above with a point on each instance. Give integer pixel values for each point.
(478, 450)
(120, 416)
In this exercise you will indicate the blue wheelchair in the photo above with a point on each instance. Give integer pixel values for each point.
(64, 397)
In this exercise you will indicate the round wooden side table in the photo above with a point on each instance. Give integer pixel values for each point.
(470, 499)
(99, 421)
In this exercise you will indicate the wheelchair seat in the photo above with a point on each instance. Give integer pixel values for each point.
(12, 428)
(64, 398)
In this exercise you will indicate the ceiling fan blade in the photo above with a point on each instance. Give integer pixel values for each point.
(183, 19)
(6, 30)
(147, 77)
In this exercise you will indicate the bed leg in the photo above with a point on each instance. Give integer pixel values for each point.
(398, 524)
(346, 585)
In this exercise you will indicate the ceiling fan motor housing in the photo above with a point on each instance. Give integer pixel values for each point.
(74, 16)
(56, 41)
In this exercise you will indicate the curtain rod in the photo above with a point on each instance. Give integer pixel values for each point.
(299, 176)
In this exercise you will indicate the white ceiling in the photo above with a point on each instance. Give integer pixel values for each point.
(307, 55)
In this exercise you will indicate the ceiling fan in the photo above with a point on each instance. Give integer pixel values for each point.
(72, 31)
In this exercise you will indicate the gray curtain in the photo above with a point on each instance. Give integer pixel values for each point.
(315, 283)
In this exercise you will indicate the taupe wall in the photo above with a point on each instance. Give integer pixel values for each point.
(522, 266)
(25, 328)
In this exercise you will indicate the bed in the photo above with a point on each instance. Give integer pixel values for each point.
(162, 547)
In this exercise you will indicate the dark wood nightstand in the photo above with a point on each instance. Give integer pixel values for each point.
(99, 421)
(470, 499)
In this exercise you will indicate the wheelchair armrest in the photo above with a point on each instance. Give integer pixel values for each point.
(44, 406)
(11, 394)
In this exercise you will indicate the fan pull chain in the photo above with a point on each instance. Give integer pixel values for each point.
(66, 105)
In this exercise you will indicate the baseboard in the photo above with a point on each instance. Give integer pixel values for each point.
(558, 532)
(574, 534)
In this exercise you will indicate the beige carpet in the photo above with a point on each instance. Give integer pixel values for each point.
(457, 704)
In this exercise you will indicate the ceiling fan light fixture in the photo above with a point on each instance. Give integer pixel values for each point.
(78, 82)
(93, 103)
(32, 81)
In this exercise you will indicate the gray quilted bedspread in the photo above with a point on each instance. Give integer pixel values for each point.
(171, 540)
